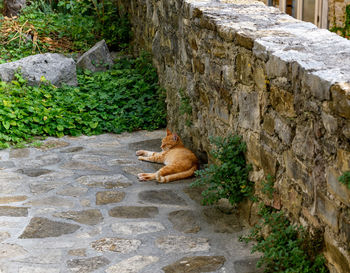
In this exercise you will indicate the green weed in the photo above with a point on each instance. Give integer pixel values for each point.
(228, 178)
(125, 98)
(345, 179)
(286, 248)
(267, 186)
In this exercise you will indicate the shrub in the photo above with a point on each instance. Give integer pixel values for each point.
(287, 248)
(125, 98)
(228, 177)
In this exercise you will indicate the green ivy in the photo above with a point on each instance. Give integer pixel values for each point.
(228, 177)
(125, 98)
(345, 179)
(287, 248)
(345, 30)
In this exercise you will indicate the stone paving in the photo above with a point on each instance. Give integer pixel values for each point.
(75, 205)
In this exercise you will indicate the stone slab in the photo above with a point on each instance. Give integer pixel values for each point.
(133, 212)
(164, 197)
(40, 227)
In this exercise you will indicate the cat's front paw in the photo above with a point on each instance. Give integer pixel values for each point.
(140, 152)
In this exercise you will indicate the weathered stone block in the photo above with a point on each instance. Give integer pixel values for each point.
(283, 130)
(269, 124)
(96, 58)
(345, 227)
(335, 187)
(249, 111)
(343, 160)
(268, 161)
(298, 172)
(282, 101)
(275, 67)
(253, 150)
(318, 87)
(336, 255)
(327, 211)
(329, 122)
(244, 68)
(242, 39)
(340, 103)
(304, 143)
(290, 198)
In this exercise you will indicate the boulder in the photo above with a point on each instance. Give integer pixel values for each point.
(56, 68)
(97, 58)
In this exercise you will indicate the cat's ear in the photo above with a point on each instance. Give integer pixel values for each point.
(175, 137)
(168, 133)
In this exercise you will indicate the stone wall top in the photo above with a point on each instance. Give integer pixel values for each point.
(277, 37)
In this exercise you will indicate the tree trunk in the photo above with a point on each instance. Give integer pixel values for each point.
(12, 7)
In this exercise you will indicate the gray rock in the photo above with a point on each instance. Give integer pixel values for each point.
(105, 181)
(196, 264)
(135, 228)
(116, 245)
(72, 191)
(56, 68)
(87, 265)
(97, 58)
(247, 266)
(33, 172)
(132, 265)
(195, 193)
(222, 222)
(182, 244)
(72, 150)
(11, 199)
(77, 252)
(133, 212)
(167, 197)
(184, 221)
(51, 201)
(108, 197)
(88, 217)
(78, 165)
(10, 251)
(19, 153)
(13, 211)
(3, 236)
(6, 164)
(40, 227)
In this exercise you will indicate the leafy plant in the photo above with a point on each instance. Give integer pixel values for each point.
(228, 177)
(345, 30)
(345, 179)
(125, 98)
(267, 186)
(284, 249)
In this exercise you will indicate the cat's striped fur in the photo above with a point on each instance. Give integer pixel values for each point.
(179, 161)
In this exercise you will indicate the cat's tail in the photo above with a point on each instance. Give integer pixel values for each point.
(178, 176)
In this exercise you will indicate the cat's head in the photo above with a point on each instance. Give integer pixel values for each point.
(170, 140)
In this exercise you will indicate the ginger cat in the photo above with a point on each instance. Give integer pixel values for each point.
(179, 161)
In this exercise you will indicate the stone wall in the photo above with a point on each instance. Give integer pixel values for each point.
(336, 12)
(282, 84)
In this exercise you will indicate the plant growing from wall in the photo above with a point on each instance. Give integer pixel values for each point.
(287, 248)
(228, 176)
(345, 179)
(267, 186)
(345, 30)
